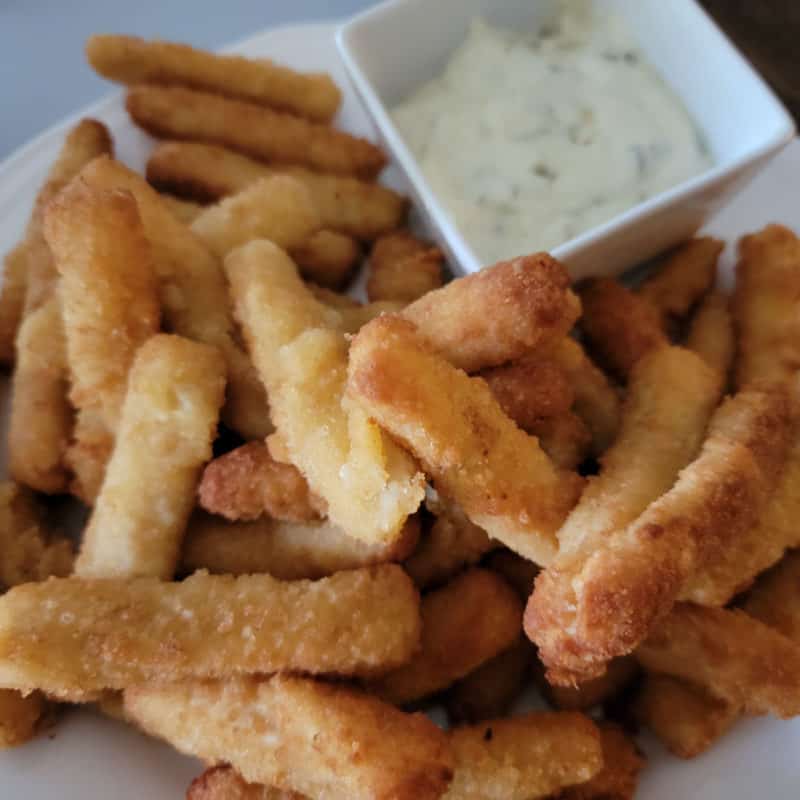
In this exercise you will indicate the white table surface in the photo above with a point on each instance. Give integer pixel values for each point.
(43, 72)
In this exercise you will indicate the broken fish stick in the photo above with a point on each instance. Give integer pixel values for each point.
(586, 611)
(354, 623)
(285, 550)
(130, 60)
(369, 484)
(684, 717)
(765, 306)
(596, 401)
(464, 624)
(193, 294)
(621, 327)
(278, 209)
(108, 290)
(12, 299)
(41, 417)
(274, 136)
(537, 309)
(168, 422)
(302, 735)
(711, 334)
(683, 278)
(205, 172)
(328, 258)
(733, 655)
(184, 210)
(503, 482)
(451, 543)
(403, 268)
(518, 758)
(248, 482)
(225, 783)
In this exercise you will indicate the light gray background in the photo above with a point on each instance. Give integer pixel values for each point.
(43, 72)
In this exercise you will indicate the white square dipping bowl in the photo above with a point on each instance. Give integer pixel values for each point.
(392, 49)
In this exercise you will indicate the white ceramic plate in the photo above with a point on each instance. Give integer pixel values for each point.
(88, 757)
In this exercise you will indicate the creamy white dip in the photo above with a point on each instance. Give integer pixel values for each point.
(530, 140)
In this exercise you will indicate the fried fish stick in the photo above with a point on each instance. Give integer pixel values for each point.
(620, 326)
(369, 484)
(671, 396)
(403, 268)
(620, 673)
(765, 306)
(683, 278)
(686, 718)
(112, 633)
(477, 457)
(734, 655)
(464, 624)
(285, 550)
(328, 258)
(775, 599)
(193, 293)
(177, 113)
(301, 735)
(596, 401)
(530, 389)
(167, 425)
(278, 209)
(130, 60)
(519, 758)
(248, 482)
(491, 689)
(618, 778)
(184, 210)
(759, 547)
(588, 610)
(12, 299)
(205, 172)
(565, 439)
(224, 783)
(534, 308)
(452, 543)
(711, 333)
(41, 417)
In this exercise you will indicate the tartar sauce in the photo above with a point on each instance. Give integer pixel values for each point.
(530, 140)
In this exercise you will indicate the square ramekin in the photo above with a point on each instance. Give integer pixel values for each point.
(393, 48)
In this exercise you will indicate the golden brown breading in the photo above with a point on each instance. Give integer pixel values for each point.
(206, 172)
(193, 294)
(451, 543)
(498, 314)
(225, 783)
(491, 689)
(531, 388)
(403, 268)
(565, 439)
(589, 610)
(167, 426)
(110, 634)
(765, 306)
(775, 598)
(130, 60)
(618, 778)
(731, 654)
(21, 716)
(464, 624)
(534, 755)
(88, 454)
(41, 417)
(318, 739)
(285, 550)
(711, 334)
(355, 318)
(12, 299)
(370, 485)
(686, 718)
(248, 482)
(328, 258)
(620, 326)
(620, 673)
(683, 278)
(277, 208)
(596, 401)
(475, 455)
(274, 136)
